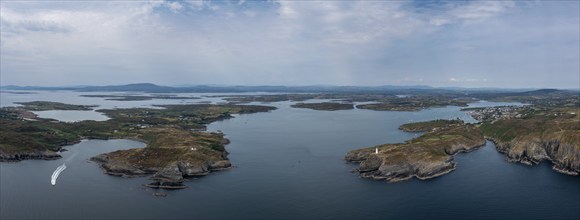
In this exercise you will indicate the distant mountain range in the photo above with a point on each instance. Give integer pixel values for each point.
(153, 88)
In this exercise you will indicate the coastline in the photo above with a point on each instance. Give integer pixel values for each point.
(529, 160)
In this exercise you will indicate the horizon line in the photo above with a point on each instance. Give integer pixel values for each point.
(291, 86)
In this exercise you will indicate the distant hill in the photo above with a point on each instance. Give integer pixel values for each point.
(542, 92)
(153, 88)
(137, 87)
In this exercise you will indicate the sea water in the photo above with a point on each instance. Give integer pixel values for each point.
(289, 164)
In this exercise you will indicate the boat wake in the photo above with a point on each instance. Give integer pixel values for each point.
(56, 173)
(60, 169)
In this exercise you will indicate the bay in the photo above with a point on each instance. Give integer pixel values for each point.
(289, 165)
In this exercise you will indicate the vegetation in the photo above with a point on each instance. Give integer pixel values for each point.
(138, 97)
(548, 129)
(18, 136)
(542, 97)
(427, 156)
(175, 149)
(430, 125)
(45, 106)
(156, 127)
(324, 106)
(413, 103)
(508, 123)
(384, 101)
(269, 98)
(540, 134)
(168, 145)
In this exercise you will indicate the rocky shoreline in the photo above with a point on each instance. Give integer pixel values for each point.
(563, 157)
(37, 155)
(424, 157)
(171, 176)
(378, 169)
(169, 166)
(176, 150)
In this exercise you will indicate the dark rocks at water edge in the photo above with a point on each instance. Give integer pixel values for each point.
(425, 157)
(564, 157)
(551, 134)
(170, 176)
(36, 155)
(175, 150)
(160, 194)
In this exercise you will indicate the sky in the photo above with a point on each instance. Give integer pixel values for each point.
(508, 44)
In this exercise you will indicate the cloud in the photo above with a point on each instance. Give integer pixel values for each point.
(470, 12)
(45, 22)
(288, 42)
(480, 10)
(349, 22)
(174, 6)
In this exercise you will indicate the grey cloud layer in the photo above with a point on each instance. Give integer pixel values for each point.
(481, 43)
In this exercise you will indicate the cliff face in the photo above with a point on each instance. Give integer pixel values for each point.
(169, 164)
(425, 157)
(565, 157)
(552, 134)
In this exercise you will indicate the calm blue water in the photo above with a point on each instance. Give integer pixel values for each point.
(290, 165)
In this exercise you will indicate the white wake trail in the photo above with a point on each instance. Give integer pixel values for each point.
(56, 173)
(60, 169)
(71, 157)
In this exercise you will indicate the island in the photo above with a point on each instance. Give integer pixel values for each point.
(547, 127)
(138, 97)
(324, 106)
(381, 101)
(424, 157)
(414, 103)
(177, 147)
(430, 125)
(46, 106)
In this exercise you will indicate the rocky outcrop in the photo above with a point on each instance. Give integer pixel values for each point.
(220, 165)
(357, 156)
(170, 176)
(425, 157)
(565, 157)
(116, 168)
(383, 167)
(36, 155)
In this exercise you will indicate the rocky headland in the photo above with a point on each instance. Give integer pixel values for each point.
(424, 157)
(539, 134)
(175, 151)
(195, 154)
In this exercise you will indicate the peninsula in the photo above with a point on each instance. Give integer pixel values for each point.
(546, 129)
(177, 147)
(424, 157)
(532, 134)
